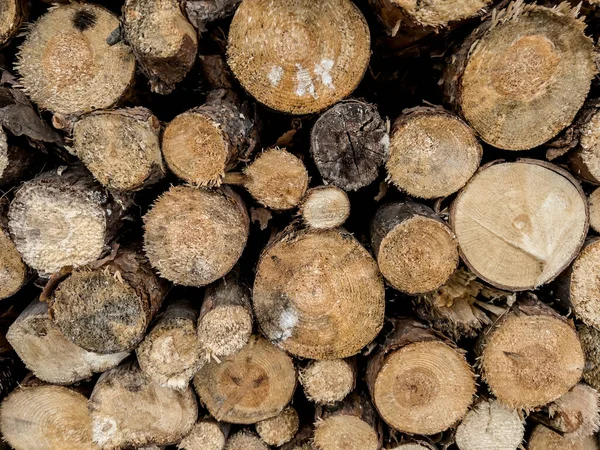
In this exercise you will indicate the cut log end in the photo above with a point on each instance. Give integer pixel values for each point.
(345, 431)
(515, 70)
(325, 207)
(12, 15)
(194, 236)
(543, 438)
(285, 58)
(280, 429)
(225, 330)
(245, 440)
(13, 273)
(300, 278)
(585, 160)
(206, 435)
(479, 429)
(576, 413)
(277, 179)
(328, 381)
(412, 447)
(525, 368)
(432, 153)
(349, 143)
(590, 342)
(164, 42)
(584, 285)
(252, 385)
(594, 205)
(52, 417)
(66, 65)
(423, 388)
(513, 208)
(120, 148)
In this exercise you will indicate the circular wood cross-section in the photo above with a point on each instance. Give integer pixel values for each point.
(543, 438)
(345, 431)
(252, 385)
(299, 56)
(319, 295)
(325, 207)
(526, 77)
(66, 65)
(13, 273)
(520, 224)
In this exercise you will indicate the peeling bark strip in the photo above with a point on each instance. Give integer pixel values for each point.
(303, 56)
(201, 144)
(419, 383)
(349, 143)
(121, 148)
(70, 71)
(64, 218)
(521, 77)
(520, 224)
(301, 275)
(163, 41)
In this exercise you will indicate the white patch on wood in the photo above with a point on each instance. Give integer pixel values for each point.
(275, 75)
(323, 70)
(103, 429)
(287, 321)
(385, 141)
(304, 82)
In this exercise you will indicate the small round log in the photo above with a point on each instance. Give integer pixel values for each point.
(325, 207)
(245, 440)
(280, 429)
(328, 381)
(207, 434)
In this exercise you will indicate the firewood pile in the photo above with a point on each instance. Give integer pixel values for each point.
(299, 224)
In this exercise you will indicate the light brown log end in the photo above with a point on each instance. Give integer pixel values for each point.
(328, 381)
(325, 207)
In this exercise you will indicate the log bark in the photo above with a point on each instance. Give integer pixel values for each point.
(253, 385)
(286, 59)
(351, 424)
(194, 236)
(490, 424)
(128, 409)
(328, 381)
(349, 143)
(201, 144)
(524, 368)
(280, 429)
(226, 320)
(509, 227)
(170, 352)
(202, 12)
(163, 41)
(46, 417)
(514, 70)
(49, 354)
(543, 438)
(106, 307)
(302, 440)
(415, 250)
(12, 16)
(16, 162)
(318, 295)
(66, 65)
(245, 440)
(64, 218)
(432, 153)
(325, 207)
(419, 383)
(121, 148)
(276, 179)
(207, 434)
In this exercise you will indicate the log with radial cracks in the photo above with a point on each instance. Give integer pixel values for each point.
(163, 41)
(64, 218)
(590, 342)
(245, 440)
(106, 307)
(207, 434)
(200, 12)
(319, 294)
(520, 224)
(194, 236)
(522, 76)
(543, 438)
(280, 429)
(201, 144)
(432, 153)
(490, 425)
(170, 352)
(303, 56)
(49, 354)
(419, 383)
(325, 207)
(65, 64)
(225, 322)
(13, 272)
(121, 147)
(415, 250)
(328, 381)
(128, 409)
(525, 368)
(46, 417)
(351, 424)
(252, 385)
(349, 143)
(276, 179)
(12, 15)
